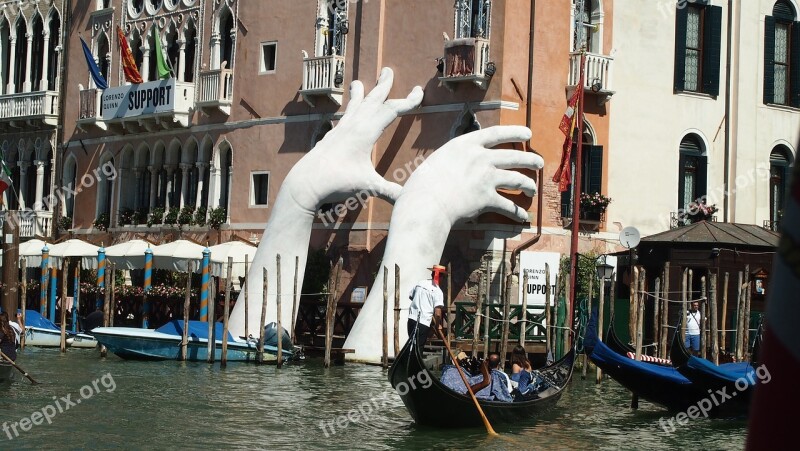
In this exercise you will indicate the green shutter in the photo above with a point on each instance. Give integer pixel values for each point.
(702, 176)
(712, 43)
(681, 181)
(592, 169)
(680, 47)
(794, 66)
(769, 60)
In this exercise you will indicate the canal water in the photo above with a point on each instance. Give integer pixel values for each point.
(111, 403)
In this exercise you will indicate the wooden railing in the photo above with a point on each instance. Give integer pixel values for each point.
(598, 71)
(465, 321)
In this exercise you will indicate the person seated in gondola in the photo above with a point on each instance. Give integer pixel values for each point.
(527, 381)
(501, 385)
(479, 382)
(8, 338)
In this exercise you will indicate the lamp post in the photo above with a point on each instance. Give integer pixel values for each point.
(604, 271)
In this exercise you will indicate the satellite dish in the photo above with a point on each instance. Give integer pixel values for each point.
(630, 237)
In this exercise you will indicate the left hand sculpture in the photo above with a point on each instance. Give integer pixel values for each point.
(338, 167)
(458, 181)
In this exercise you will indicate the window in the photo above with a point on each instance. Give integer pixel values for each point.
(584, 28)
(782, 56)
(591, 172)
(779, 163)
(692, 172)
(269, 52)
(698, 40)
(259, 189)
(332, 29)
(472, 18)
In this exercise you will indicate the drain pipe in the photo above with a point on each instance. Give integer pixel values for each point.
(528, 109)
(727, 168)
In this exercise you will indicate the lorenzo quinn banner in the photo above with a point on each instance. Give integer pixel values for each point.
(138, 100)
(532, 263)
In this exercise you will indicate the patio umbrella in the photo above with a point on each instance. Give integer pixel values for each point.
(129, 254)
(31, 251)
(87, 252)
(174, 256)
(236, 249)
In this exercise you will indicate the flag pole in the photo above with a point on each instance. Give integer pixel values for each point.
(576, 201)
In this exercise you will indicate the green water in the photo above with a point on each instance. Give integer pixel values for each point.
(166, 405)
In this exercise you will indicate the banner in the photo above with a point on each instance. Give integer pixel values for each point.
(137, 100)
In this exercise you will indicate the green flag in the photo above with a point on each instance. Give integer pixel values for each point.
(162, 69)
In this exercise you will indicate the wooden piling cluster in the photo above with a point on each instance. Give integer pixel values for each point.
(330, 313)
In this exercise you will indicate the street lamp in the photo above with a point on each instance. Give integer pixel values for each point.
(604, 270)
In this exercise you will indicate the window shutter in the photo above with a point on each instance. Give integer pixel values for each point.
(681, 181)
(680, 47)
(794, 66)
(712, 43)
(769, 60)
(593, 169)
(702, 176)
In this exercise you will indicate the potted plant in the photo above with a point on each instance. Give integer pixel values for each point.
(700, 211)
(593, 205)
(156, 216)
(171, 217)
(102, 222)
(140, 216)
(64, 223)
(186, 215)
(125, 217)
(200, 216)
(217, 217)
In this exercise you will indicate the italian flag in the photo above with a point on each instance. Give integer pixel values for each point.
(5, 176)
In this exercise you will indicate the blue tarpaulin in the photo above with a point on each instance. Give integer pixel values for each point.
(197, 329)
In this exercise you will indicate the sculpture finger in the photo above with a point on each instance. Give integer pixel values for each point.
(514, 180)
(386, 190)
(356, 96)
(413, 100)
(381, 91)
(508, 208)
(515, 159)
(499, 134)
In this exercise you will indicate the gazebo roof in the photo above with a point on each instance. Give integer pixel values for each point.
(717, 233)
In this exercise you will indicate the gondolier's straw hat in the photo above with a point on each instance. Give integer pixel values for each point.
(438, 268)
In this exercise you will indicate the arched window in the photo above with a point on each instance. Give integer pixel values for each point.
(105, 187)
(225, 191)
(103, 55)
(226, 36)
(473, 18)
(591, 171)
(692, 171)
(21, 51)
(189, 52)
(782, 56)
(779, 162)
(5, 55)
(37, 59)
(69, 180)
(52, 55)
(584, 28)
(136, 49)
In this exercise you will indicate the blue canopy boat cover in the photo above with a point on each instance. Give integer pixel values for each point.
(197, 329)
(35, 319)
(730, 372)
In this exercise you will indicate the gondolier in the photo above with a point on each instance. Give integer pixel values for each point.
(427, 302)
(693, 318)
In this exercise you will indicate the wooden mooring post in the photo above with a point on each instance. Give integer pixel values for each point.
(262, 324)
(224, 358)
(640, 302)
(448, 299)
(506, 323)
(487, 315)
(106, 307)
(739, 305)
(523, 329)
(476, 321)
(330, 314)
(684, 302)
(712, 299)
(664, 323)
(295, 300)
(600, 307)
(724, 320)
(704, 318)
(656, 311)
(113, 312)
(397, 307)
(278, 309)
(748, 293)
(246, 304)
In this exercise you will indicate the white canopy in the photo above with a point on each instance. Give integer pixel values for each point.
(236, 249)
(128, 255)
(174, 256)
(87, 252)
(31, 251)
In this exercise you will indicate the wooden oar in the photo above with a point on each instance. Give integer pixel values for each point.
(466, 383)
(24, 373)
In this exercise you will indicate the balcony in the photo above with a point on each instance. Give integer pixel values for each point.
(598, 75)
(216, 90)
(467, 60)
(28, 109)
(680, 219)
(90, 109)
(32, 223)
(323, 76)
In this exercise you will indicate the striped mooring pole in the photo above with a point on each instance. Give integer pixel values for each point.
(53, 287)
(101, 275)
(148, 283)
(43, 281)
(76, 293)
(204, 286)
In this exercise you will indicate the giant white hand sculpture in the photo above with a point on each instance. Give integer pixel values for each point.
(344, 157)
(457, 182)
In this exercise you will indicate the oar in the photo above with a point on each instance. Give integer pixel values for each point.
(466, 383)
(24, 373)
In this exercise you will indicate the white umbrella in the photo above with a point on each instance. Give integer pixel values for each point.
(173, 256)
(87, 252)
(129, 254)
(236, 249)
(31, 251)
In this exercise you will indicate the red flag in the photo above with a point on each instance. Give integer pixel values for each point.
(567, 126)
(128, 63)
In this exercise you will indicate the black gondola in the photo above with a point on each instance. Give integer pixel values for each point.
(438, 406)
(728, 388)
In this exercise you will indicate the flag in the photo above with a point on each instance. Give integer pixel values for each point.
(94, 71)
(162, 70)
(567, 126)
(779, 356)
(5, 176)
(128, 63)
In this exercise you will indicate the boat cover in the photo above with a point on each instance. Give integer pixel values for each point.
(197, 329)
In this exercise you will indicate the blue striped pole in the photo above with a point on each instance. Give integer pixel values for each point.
(76, 290)
(43, 281)
(101, 275)
(204, 286)
(148, 283)
(53, 287)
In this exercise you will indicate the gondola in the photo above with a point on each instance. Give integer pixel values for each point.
(736, 381)
(434, 404)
